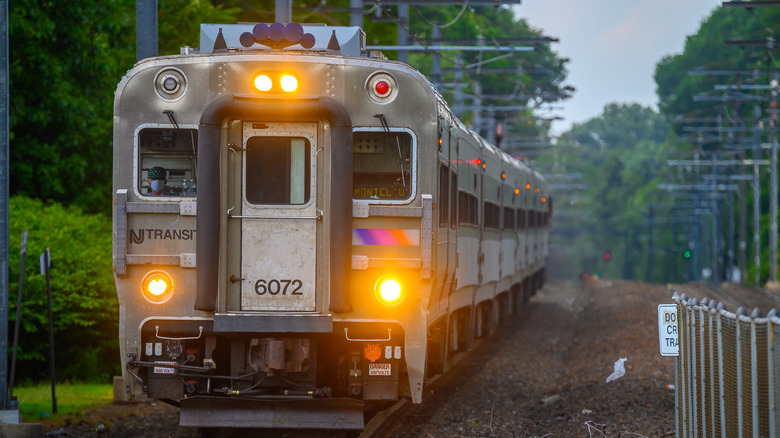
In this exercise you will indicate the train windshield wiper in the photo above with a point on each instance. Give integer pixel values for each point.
(397, 151)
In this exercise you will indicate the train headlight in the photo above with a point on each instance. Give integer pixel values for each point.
(289, 83)
(388, 291)
(170, 84)
(263, 83)
(157, 287)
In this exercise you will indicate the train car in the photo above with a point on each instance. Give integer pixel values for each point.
(304, 233)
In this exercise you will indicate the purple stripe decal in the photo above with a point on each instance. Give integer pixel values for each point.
(369, 236)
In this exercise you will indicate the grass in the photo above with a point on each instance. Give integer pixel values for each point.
(35, 401)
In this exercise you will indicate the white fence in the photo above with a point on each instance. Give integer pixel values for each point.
(728, 381)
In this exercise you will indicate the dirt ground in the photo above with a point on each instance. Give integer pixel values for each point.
(543, 377)
(546, 375)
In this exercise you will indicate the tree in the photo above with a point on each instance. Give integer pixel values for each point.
(620, 155)
(66, 59)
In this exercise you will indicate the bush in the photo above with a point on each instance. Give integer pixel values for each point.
(84, 302)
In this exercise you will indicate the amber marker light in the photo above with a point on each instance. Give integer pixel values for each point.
(517, 191)
(263, 83)
(544, 199)
(528, 186)
(157, 287)
(388, 291)
(289, 83)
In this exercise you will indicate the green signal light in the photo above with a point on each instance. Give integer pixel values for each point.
(686, 254)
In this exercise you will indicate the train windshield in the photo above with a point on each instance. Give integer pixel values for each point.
(278, 170)
(167, 155)
(383, 165)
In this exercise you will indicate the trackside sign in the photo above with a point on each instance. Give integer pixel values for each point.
(668, 334)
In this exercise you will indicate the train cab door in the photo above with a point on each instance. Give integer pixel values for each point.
(274, 188)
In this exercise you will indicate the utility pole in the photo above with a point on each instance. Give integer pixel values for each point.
(648, 275)
(756, 202)
(4, 208)
(356, 13)
(283, 11)
(145, 29)
(436, 62)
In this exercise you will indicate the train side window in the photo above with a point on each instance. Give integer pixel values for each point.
(521, 219)
(383, 165)
(278, 170)
(173, 150)
(444, 196)
(509, 218)
(454, 200)
(492, 216)
(467, 209)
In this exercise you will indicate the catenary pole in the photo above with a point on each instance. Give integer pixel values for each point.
(283, 11)
(145, 29)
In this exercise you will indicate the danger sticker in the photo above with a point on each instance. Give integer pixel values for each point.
(164, 370)
(379, 369)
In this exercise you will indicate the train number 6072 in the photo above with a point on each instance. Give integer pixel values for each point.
(275, 287)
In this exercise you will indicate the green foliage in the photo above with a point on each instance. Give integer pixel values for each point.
(692, 100)
(180, 22)
(66, 58)
(84, 301)
(706, 50)
(620, 156)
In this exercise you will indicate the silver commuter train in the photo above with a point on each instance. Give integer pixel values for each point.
(330, 235)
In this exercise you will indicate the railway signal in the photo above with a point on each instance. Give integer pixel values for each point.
(607, 256)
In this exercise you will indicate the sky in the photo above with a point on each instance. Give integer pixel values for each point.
(613, 46)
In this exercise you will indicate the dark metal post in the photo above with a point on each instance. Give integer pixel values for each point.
(649, 273)
(773, 189)
(4, 180)
(356, 13)
(17, 323)
(283, 11)
(756, 202)
(403, 31)
(145, 29)
(45, 263)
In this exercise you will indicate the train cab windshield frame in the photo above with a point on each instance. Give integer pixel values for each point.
(384, 165)
(175, 149)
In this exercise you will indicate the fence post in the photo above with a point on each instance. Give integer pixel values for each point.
(721, 388)
(677, 380)
(692, 409)
(702, 370)
(711, 328)
(770, 345)
(740, 389)
(754, 369)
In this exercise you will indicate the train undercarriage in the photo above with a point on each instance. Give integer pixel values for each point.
(262, 380)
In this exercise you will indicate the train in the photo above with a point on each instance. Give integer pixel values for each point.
(304, 232)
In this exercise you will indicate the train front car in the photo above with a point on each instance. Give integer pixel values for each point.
(254, 290)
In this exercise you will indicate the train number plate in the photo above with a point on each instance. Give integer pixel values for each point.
(379, 369)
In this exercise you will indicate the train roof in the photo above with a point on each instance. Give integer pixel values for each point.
(345, 40)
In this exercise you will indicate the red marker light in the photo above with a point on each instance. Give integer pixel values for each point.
(382, 88)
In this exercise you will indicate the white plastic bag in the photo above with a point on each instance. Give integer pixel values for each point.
(620, 370)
